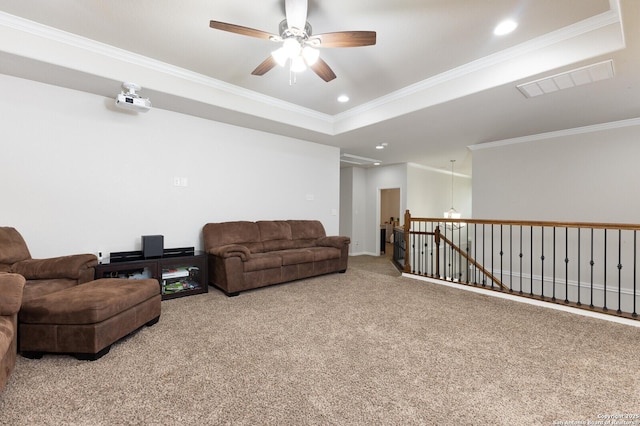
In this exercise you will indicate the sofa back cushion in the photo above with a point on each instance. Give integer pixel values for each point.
(12, 246)
(306, 232)
(275, 235)
(225, 233)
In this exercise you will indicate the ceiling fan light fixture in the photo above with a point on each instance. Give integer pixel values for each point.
(280, 56)
(310, 55)
(297, 64)
(292, 47)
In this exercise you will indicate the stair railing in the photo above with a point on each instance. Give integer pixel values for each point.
(585, 265)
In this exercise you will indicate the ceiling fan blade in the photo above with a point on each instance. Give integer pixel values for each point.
(265, 66)
(238, 29)
(296, 11)
(323, 70)
(346, 39)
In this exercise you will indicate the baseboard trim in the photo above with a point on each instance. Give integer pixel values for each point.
(534, 302)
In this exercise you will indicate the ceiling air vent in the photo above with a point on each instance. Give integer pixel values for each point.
(566, 80)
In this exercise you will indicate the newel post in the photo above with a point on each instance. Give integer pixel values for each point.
(407, 229)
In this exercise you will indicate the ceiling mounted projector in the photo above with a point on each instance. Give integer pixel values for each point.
(129, 99)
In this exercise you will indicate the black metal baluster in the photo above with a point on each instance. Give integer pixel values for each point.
(452, 260)
(542, 263)
(635, 261)
(433, 244)
(579, 245)
(413, 250)
(566, 265)
(553, 280)
(511, 258)
(619, 271)
(467, 248)
(444, 255)
(424, 245)
(604, 307)
(531, 262)
(475, 251)
(520, 255)
(591, 263)
(501, 256)
(493, 270)
(484, 278)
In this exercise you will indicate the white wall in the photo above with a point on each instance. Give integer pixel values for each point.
(353, 207)
(588, 175)
(78, 175)
(429, 192)
(346, 203)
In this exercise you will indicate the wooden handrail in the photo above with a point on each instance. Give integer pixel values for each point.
(438, 236)
(546, 224)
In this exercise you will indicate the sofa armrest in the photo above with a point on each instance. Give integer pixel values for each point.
(56, 267)
(11, 286)
(333, 241)
(231, 250)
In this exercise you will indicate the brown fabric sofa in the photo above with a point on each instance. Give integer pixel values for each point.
(245, 255)
(11, 286)
(43, 276)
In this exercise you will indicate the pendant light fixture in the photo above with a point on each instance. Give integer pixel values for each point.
(452, 213)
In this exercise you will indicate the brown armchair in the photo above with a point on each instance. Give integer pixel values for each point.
(43, 276)
(11, 286)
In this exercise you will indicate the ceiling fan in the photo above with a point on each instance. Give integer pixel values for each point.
(299, 46)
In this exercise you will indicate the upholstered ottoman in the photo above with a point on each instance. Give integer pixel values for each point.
(86, 319)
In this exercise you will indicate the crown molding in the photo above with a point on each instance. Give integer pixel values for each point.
(557, 134)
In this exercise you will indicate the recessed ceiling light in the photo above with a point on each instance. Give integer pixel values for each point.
(376, 164)
(505, 27)
(343, 98)
(382, 145)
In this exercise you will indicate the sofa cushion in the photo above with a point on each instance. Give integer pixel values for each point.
(324, 253)
(306, 229)
(295, 257)
(306, 232)
(274, 230)
(239, 232)
(37, 288)
(276, 235)
(88, 303)
(12, 246)
(260, 261)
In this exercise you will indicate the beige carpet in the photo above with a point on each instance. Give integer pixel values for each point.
(367, 347)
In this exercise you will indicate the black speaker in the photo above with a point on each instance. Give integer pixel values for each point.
(152, 245)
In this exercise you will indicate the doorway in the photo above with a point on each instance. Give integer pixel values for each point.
(389, 218)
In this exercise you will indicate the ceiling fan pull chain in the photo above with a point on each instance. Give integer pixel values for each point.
(292, 77)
